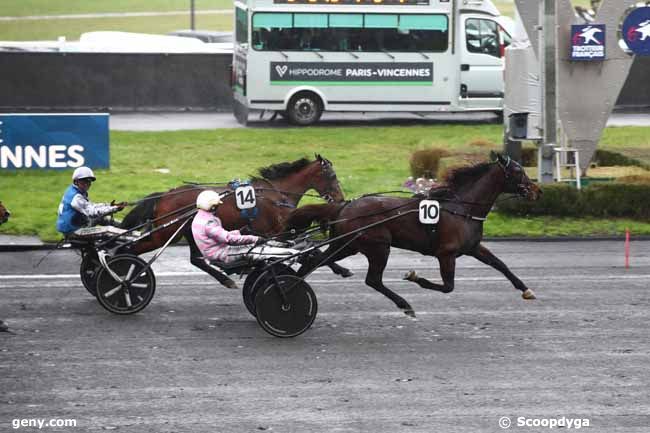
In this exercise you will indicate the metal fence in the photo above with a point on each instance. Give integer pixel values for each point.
(114, 82)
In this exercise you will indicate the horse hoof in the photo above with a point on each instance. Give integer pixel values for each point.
(230, 284)
(409, 312)
(411, 276)
(346, 274)
(528, 295)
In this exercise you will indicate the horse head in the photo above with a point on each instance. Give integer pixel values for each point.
(516, 179)
(326, 182)
(4, 214)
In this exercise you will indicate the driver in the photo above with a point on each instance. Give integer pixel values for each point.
(218, 244)
(76, 211)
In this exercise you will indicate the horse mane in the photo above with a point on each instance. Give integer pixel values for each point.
(282, 169)
(461, 176)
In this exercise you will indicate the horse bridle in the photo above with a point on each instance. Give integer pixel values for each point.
(523, 189)
(326, 168)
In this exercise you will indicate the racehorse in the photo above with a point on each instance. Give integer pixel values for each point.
(372, 224)
(278, 192)
(4, 214)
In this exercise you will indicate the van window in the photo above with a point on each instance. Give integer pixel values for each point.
(482, 36)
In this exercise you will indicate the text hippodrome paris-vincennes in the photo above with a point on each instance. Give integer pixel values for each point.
(361, 72)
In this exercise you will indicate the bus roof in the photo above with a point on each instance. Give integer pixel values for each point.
(390, 6)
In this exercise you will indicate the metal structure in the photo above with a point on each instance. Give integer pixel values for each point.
(577, 97)
(589, 89)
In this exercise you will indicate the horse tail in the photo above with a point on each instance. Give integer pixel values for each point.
(304, 216)
(142, 212)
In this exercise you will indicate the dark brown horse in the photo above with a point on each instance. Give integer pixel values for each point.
(4, 214)
(278, 191)
(465, 201)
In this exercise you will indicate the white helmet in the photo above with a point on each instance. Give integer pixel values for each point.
(83, 173)
(208, 199)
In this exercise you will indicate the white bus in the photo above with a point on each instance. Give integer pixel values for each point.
(302, 57)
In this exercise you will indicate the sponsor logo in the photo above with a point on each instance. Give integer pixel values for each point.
(38, 141)
(281, 70)
(588, 42)
(352, 72)
(643, 30)
(636, 30)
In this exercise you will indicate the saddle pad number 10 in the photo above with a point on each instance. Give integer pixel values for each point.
(429, 211)
(245, 197)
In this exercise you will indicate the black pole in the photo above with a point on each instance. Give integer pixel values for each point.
(192, 14)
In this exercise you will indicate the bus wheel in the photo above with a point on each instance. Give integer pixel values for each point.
(304, 109)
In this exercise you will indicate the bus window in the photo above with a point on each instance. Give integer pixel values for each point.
(482, 37)
(350, 32)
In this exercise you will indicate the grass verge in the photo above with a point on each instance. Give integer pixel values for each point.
(73, 28)
(366, 159)
(16, 8)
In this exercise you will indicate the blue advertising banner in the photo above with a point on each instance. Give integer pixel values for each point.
(636, 31)
(588, 42)
(54, 141)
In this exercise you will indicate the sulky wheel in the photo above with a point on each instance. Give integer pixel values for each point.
(88, 271)
(258, 278)
(134, 293)
(286, 307)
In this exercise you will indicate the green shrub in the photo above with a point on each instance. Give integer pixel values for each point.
(602, 158)
(606, 158)
(529, 156)
(600, 200)
(425, 162)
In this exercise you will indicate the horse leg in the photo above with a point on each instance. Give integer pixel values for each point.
(340, 270)
(485, 256)
(447, 272)
(377, 256)
(197, 260)
(325, 258)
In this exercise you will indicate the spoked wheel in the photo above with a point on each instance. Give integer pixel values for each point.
(286, 307)
(259, 278)
(88, 271)
(134, 289)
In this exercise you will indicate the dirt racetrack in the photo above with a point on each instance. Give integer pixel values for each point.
(196, 361)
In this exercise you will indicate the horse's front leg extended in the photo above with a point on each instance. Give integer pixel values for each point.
(447, 272)
(485, 256)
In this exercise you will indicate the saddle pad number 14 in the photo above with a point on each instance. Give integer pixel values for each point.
(429, 211)
(245, 197)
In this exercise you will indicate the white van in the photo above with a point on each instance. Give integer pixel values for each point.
(302, 57)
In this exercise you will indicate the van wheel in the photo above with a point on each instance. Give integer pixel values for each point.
(304, 109)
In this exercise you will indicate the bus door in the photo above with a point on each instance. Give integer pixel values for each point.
(481, 63)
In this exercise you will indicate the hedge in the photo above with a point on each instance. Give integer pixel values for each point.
(599, 200)
(602, 158)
